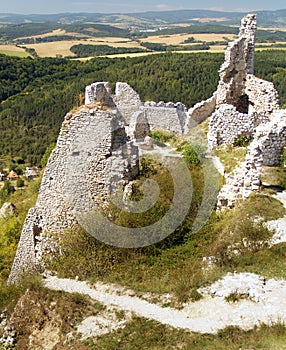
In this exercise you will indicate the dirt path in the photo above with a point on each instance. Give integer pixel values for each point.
(259, 301)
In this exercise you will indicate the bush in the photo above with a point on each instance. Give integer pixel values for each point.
(7, 189)
(191, 156)
(242, 141)
(162, 136)
(20, 183)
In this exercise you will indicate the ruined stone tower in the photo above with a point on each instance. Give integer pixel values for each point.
(95, 153)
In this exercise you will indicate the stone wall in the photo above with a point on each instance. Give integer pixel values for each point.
(127, 100)
(200, 112)
(262, 96)
(272, 138)
(92, 158)
(243, 101)
(239, 58)
(166, 116)
(226, 124)
(139, 126)
(265, 149)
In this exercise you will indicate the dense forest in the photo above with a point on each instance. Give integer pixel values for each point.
(87, 50)
(36, 93)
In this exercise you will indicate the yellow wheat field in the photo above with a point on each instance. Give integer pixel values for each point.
(62, 48)
(176, 39)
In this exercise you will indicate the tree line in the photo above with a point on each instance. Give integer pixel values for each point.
(37, 93)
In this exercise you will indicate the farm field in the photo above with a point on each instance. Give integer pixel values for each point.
(55, 48)
(12, 50)
(177, 39)
(62, 48)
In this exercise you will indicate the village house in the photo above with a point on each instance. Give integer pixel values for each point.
(12, 175)
(31, 172)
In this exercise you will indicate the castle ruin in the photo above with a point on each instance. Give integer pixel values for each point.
(99, 138)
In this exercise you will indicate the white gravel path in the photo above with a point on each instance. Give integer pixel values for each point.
(266, 303)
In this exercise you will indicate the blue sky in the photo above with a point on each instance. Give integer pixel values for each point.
(57, 6)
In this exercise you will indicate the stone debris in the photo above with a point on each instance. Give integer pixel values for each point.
(7, 209)
(244, 285)
(106, 322)
(252, 300)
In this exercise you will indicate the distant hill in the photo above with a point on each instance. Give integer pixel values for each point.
(13, 31)
(275, 18)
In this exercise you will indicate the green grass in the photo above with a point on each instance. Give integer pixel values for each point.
(10, 228)
(156, 269)
(230, 156)
(275, 176)
(14, 53)
(150, 335)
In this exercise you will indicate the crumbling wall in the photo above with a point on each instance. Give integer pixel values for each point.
(139, 126)
(262, 96)
(200, 112)
(243, 101)
(127, 100)
(99, 92)
(265, 149)
(166, 116)
(92, 159)
(226, 124)
(272, 138)
(239, 60)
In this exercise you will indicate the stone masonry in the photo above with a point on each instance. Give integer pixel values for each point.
(92, 158)
(265, 149)
(95, 154)
(168, 116)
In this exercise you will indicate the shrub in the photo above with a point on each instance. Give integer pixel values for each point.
(163, 136)
(242, 141)
(20, 183)
(7, 189)
(191, 156)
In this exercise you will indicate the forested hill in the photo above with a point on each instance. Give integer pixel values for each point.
(11, 32)
(275, 18)
(36, 94)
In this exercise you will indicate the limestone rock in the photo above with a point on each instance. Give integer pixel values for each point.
(7, 209)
